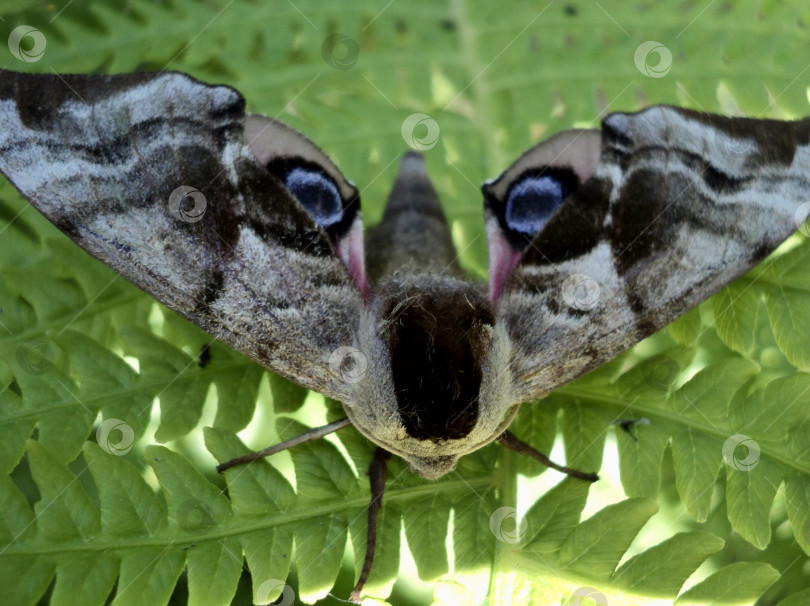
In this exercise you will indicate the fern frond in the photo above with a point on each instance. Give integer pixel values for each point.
(716, 475)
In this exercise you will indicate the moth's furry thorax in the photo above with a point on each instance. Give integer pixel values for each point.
(437, 339)
(438, 382)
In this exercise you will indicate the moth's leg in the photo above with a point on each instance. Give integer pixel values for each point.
(312, 434)
(377, 471)
(512, 443)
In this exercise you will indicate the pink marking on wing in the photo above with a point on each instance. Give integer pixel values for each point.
(350, 251)
(502, 258)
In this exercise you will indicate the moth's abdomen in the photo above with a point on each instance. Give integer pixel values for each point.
(438, 334)
(413, 236)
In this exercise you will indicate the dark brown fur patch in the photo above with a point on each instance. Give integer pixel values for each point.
(437, 345)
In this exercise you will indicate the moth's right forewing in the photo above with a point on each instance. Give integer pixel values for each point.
(151, 174)
(680, 204)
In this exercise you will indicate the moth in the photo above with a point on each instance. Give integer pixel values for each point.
(597, 239)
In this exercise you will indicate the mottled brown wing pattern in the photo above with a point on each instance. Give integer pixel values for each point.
(151, 174)
(681, 203)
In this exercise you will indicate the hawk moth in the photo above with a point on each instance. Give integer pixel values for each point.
(597, 239)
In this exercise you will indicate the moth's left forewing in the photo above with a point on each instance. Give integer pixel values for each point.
(151, 174)
(680, 204)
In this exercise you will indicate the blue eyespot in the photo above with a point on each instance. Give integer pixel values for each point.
(532, 201)
(317, 193)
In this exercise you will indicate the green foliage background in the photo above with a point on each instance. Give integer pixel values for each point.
(157, 525)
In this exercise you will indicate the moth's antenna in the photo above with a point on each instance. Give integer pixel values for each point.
(512, 443)
(377, 470)
(307, 436)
